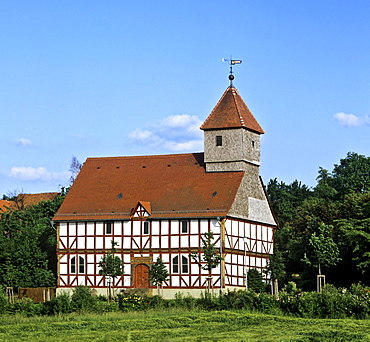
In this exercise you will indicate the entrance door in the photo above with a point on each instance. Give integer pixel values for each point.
(141, 276)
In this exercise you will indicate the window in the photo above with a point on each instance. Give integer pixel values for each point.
(73, 265)
(252, 143)
(146, 228)
(184, 226)
(81, 265)
(108, 227)
(185, 264)
(175, 264)
(218, 140)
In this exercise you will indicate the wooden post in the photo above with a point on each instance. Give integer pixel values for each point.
(222, 244)
(320, 282)
(10, 295)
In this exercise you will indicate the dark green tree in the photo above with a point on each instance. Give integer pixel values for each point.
(111, 266)
(28, 245)
(254, 280)
(158, 274)
(276, 267)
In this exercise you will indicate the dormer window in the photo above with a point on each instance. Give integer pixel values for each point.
(218, 140)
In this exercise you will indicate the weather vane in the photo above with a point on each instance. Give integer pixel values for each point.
(231, 63)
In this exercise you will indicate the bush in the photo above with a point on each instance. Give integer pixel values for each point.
(130, 302)
(82, 299)
(60, 304)
(25, 306)
(3, 302)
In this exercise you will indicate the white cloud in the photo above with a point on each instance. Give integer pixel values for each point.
(140, 135)
(23, 142)
(174, 133)
(351, 120)
(29, 173)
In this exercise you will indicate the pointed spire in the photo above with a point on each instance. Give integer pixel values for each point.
(231, 112)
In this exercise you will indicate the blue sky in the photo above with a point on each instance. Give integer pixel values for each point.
(116, 78)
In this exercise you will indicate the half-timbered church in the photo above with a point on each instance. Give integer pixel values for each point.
(160, 205)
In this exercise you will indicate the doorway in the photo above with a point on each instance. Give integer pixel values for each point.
(141, 276)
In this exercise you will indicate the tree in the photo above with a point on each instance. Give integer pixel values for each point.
(75, 168)
(210, 258)
(255, 282)
(111, 266)
(28, 245)
(323, 250)
(286, 198)
(352, 174)
(276, 268)
(158, 274)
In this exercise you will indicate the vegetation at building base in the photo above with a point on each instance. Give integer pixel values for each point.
(331, 303)
(326, 226)
(233, 316)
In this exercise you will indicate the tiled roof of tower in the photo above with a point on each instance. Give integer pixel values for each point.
(175, 185)
(231, 112)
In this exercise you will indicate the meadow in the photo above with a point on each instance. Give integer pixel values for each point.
(180, 325)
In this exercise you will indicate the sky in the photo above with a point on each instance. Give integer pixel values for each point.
(122, 78)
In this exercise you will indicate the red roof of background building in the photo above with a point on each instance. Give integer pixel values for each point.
(175, 185)
(4, 204)
(231, 112)
(22, 201)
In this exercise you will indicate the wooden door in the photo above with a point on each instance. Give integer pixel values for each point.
(141, 276)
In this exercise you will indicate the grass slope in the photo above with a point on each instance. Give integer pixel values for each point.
(181, 326)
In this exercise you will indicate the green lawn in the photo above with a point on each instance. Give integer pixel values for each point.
(181, 326)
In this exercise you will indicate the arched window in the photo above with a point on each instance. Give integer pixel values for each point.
(81, 265)
(175, 264)
(73, 265)
(185, 264)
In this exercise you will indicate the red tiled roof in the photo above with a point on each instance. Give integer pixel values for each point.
(4, 204)
(27, 200)
(231, 112)
(32, 199)
(175, 185)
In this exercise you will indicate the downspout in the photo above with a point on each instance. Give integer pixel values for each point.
(222, 253)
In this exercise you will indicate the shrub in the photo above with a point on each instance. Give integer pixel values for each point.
(3, 301)
(60, 304)
(25, 306)
(82, 299)
(130, 302)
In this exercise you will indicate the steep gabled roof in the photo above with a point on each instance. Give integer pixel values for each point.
(231, 112)
(176, 186)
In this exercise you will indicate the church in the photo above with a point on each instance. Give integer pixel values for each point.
(161, 205)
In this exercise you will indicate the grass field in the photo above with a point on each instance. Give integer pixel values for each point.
(181, 326)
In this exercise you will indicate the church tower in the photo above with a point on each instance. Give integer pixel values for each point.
(231, 135)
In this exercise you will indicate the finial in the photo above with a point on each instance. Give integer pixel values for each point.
(231, 63)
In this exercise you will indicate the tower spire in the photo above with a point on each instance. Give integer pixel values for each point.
(231, 63)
